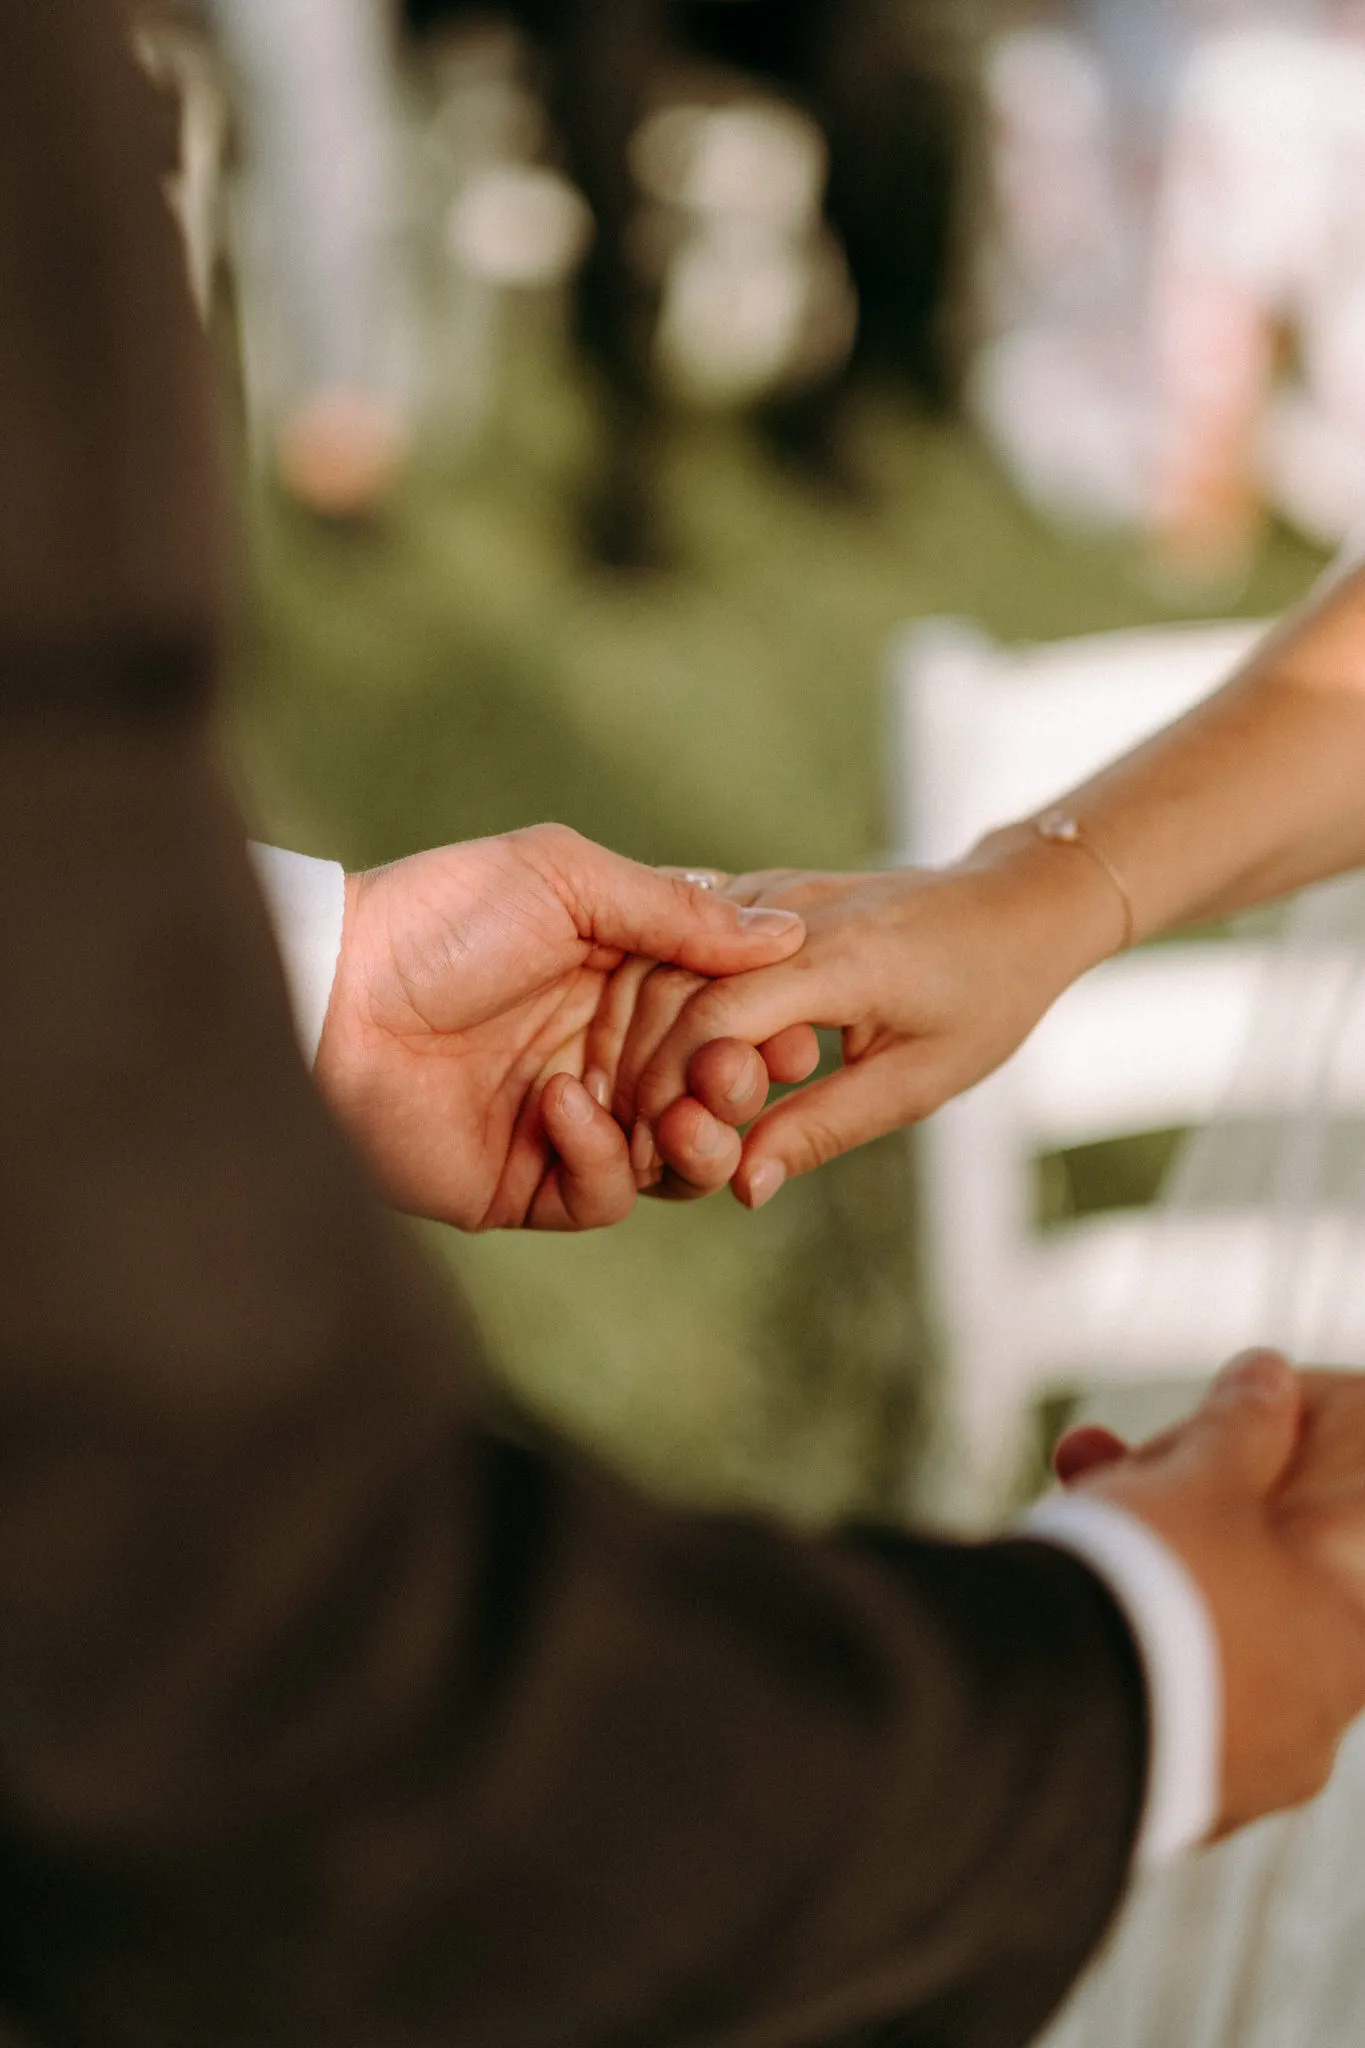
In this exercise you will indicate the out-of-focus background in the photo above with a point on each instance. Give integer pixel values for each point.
(615, 381)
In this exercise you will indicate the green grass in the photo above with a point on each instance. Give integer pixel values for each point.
(460, 673)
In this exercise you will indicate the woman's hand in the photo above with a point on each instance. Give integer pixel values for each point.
(456, 1041)
(934, 977)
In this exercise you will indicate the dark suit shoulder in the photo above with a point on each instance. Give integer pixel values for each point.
(110, 525)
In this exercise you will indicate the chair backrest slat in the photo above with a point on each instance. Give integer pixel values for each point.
(985, 735)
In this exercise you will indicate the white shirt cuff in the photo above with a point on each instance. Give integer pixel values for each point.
(1179, 1648)
(307, 901)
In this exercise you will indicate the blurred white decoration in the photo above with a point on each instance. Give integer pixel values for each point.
(1057, 403)
(755, 289)
(758, 159)
(485, 111)
(1135, 375)
(520, 226)
(319, 215)
(1314, 473)
(1060, 223)
(741, 314)
(505, 221)
(1056, 388)
(1266, 213)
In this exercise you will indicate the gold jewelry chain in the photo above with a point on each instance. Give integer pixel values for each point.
(1061, 828)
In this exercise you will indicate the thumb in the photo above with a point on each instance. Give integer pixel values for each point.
(1248, 1427)
(631, 908)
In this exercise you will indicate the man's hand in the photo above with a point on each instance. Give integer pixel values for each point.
(455, 1043)
(1262, 1495)
(933, 977)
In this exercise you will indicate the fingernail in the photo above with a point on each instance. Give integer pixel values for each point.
(709, 1137)
(598, 1086)
(742, 1088)
(768, 923)
(644, 1153)
(764, 1183)
(1256, 1377)
(575, 1103)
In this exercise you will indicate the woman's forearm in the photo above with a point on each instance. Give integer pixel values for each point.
(935, 976)
(1256, 792)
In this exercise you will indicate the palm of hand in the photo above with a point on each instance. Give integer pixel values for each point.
(462, 989)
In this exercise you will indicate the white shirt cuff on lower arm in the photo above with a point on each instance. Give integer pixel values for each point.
(306, 900)
(1179, 1648)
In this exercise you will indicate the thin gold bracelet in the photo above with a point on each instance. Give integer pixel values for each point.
(1060, 828)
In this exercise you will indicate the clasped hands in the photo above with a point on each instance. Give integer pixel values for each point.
(1261, 1494)
(468, 1041)
(530, 1030)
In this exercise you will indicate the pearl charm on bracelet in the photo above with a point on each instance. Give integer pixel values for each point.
(1060, 828)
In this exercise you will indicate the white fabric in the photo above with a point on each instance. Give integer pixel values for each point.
(1179, 1649)
(306, 900)
(1257, 1943)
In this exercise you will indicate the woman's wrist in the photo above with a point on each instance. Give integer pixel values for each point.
(1072, 905)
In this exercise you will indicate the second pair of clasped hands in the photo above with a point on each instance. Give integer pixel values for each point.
(495, 1002)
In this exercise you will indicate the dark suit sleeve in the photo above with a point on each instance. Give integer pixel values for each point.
(328, 1716)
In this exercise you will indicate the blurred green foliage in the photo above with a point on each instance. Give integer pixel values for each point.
(459, 671)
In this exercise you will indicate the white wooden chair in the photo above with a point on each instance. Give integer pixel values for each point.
(981, 734)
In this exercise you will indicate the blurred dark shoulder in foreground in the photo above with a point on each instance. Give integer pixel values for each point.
(109, 516)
